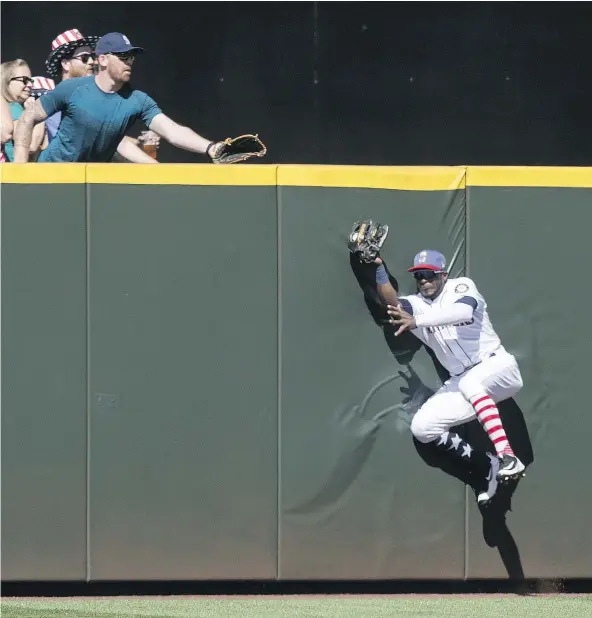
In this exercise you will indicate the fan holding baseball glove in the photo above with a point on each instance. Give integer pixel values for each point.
(79, 140)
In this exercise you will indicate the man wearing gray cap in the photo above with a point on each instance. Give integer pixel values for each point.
(98, 110)
(450, 316)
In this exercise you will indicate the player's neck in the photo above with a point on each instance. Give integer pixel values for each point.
(107, 84)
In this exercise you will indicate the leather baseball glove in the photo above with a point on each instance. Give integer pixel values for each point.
(236, 149)
(366, 240)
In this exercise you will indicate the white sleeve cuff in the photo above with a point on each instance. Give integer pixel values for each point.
(459, 312)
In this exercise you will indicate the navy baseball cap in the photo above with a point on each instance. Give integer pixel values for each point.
(428, 259)
(115, 43)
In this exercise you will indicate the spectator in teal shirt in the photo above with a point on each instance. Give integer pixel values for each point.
(93, 121)
(98, 110)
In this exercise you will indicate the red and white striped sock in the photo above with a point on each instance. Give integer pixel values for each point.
(489, 417)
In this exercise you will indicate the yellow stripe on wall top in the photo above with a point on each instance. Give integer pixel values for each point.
(529, 177)
(43, 173)
(139, 174)
(373, 177)
(348, 176)
(181, 174)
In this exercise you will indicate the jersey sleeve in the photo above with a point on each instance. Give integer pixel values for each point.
(57, 100)
(406, 304)
(149, 110)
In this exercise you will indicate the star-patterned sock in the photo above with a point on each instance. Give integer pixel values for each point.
(455, 445)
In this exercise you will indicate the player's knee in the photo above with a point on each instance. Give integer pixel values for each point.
(469, 387)
(421, 428)
(519, 381)
(516, 385)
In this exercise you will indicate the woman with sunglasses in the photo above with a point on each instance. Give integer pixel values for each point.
(449, 315)
(16, 82)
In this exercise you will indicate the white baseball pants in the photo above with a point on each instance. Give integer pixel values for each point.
(498, 375)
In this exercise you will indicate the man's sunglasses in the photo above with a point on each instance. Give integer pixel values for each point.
(125, 56)
(428, 275)
(84, 58)
(24, 80)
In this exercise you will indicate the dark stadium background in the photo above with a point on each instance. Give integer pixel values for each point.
(387, 83)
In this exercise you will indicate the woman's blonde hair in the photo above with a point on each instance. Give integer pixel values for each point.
(7, 71)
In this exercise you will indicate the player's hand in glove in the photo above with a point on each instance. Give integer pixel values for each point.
(366, 240)
(236, 149)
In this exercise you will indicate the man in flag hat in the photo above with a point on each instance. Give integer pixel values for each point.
(72, 55)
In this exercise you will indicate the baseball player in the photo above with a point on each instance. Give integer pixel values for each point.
(450, 316)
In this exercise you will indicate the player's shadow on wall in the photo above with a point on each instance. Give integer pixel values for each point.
(495, 528)
(494, 524)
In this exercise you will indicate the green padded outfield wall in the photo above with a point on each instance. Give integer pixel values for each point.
(183, 378)
(44, 376)
(351, 506)
(196, 384)
(529, 249)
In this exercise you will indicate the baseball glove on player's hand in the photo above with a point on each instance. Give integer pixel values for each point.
(366, 240)
(235, 149)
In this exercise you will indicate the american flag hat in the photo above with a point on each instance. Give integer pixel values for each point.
(63, 46)
(42, 83)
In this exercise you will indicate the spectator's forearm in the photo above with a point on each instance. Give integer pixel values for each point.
(129, 151)
(186, 138)
(23, 136)
(37, 137)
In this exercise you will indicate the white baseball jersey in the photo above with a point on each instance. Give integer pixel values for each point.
(458, 346)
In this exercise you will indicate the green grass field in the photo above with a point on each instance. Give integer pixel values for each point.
(467, 606)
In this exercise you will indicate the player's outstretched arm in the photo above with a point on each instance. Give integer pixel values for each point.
(23, 134)
(180, 136)
(386, 291)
